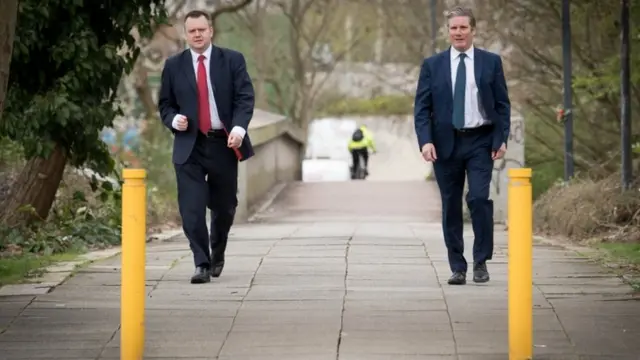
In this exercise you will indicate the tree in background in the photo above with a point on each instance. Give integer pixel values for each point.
(533, 33)
(67, 62)
(297, 45)
(8, 14)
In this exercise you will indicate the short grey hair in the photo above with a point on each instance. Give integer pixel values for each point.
(462, 11)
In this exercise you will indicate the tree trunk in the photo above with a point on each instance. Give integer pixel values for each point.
(8, 15)
(36, 187)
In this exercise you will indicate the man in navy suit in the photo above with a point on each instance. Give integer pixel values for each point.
(462, 121)
(206, 99)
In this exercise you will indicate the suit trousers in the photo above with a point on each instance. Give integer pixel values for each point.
(471, 156)
(208, 179)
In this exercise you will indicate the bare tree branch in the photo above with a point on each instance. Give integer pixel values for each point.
(229, 8)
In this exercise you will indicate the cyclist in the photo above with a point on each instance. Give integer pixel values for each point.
(359, 145)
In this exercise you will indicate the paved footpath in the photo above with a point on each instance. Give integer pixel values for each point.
(359, 274)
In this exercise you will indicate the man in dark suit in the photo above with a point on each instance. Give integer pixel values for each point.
(462, 121)
(206, 99)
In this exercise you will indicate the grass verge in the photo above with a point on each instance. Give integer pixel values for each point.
(598, 214)
(627, 257)
(18, 269)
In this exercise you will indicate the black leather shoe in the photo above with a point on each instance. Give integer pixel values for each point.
(200, 276)
(480, 273)
(458, 278)
(217, 269)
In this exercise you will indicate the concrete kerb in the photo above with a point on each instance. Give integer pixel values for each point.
(58, 273)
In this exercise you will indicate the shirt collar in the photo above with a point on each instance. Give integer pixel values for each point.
(455, 53)
(206, 53)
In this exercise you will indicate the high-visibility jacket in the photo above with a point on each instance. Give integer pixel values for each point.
(366, 142)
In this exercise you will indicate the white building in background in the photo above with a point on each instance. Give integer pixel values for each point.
(328, 138)
(327, 157)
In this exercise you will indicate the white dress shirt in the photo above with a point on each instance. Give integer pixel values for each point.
(216, 123)
(473, 115)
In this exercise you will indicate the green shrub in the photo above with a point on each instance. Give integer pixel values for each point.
(86, 215)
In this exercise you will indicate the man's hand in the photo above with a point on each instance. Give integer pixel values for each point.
(234, 140)
(180, 122)
(429, 152)
(495, 155)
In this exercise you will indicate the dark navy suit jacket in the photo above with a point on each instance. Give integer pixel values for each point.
(232, 89)
(433, 108)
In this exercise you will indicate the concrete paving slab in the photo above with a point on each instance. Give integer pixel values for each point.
(12, 308)
(395, 357)
(279, 356)
(389, 270)
(43, 345)
(5, 321)
(257, 316)
(328, 263)
(301, 270)
(291, 351)
(25, 289)
(393, 294)
(386, 260)
(313, 242)
(262, 292)
(320, 281)
(172, 350)
(368, 284)
(397, 342)
(302, 337)
(382, 307)
(295, 305)
(302, 253)
(55, 334)
(60, 302)
(398, 320)
(25, 353)
(390, 283)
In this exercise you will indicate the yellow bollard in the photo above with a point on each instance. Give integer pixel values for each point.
(132, 297)
(520, 221)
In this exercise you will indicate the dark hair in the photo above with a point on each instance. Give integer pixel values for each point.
(194, 14)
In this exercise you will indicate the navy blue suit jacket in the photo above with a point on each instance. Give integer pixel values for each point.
(433, 108)
(232, 89)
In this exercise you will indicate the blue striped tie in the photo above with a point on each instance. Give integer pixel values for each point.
(458, 94)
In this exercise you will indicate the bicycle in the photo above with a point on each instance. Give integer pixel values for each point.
(359, 173)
